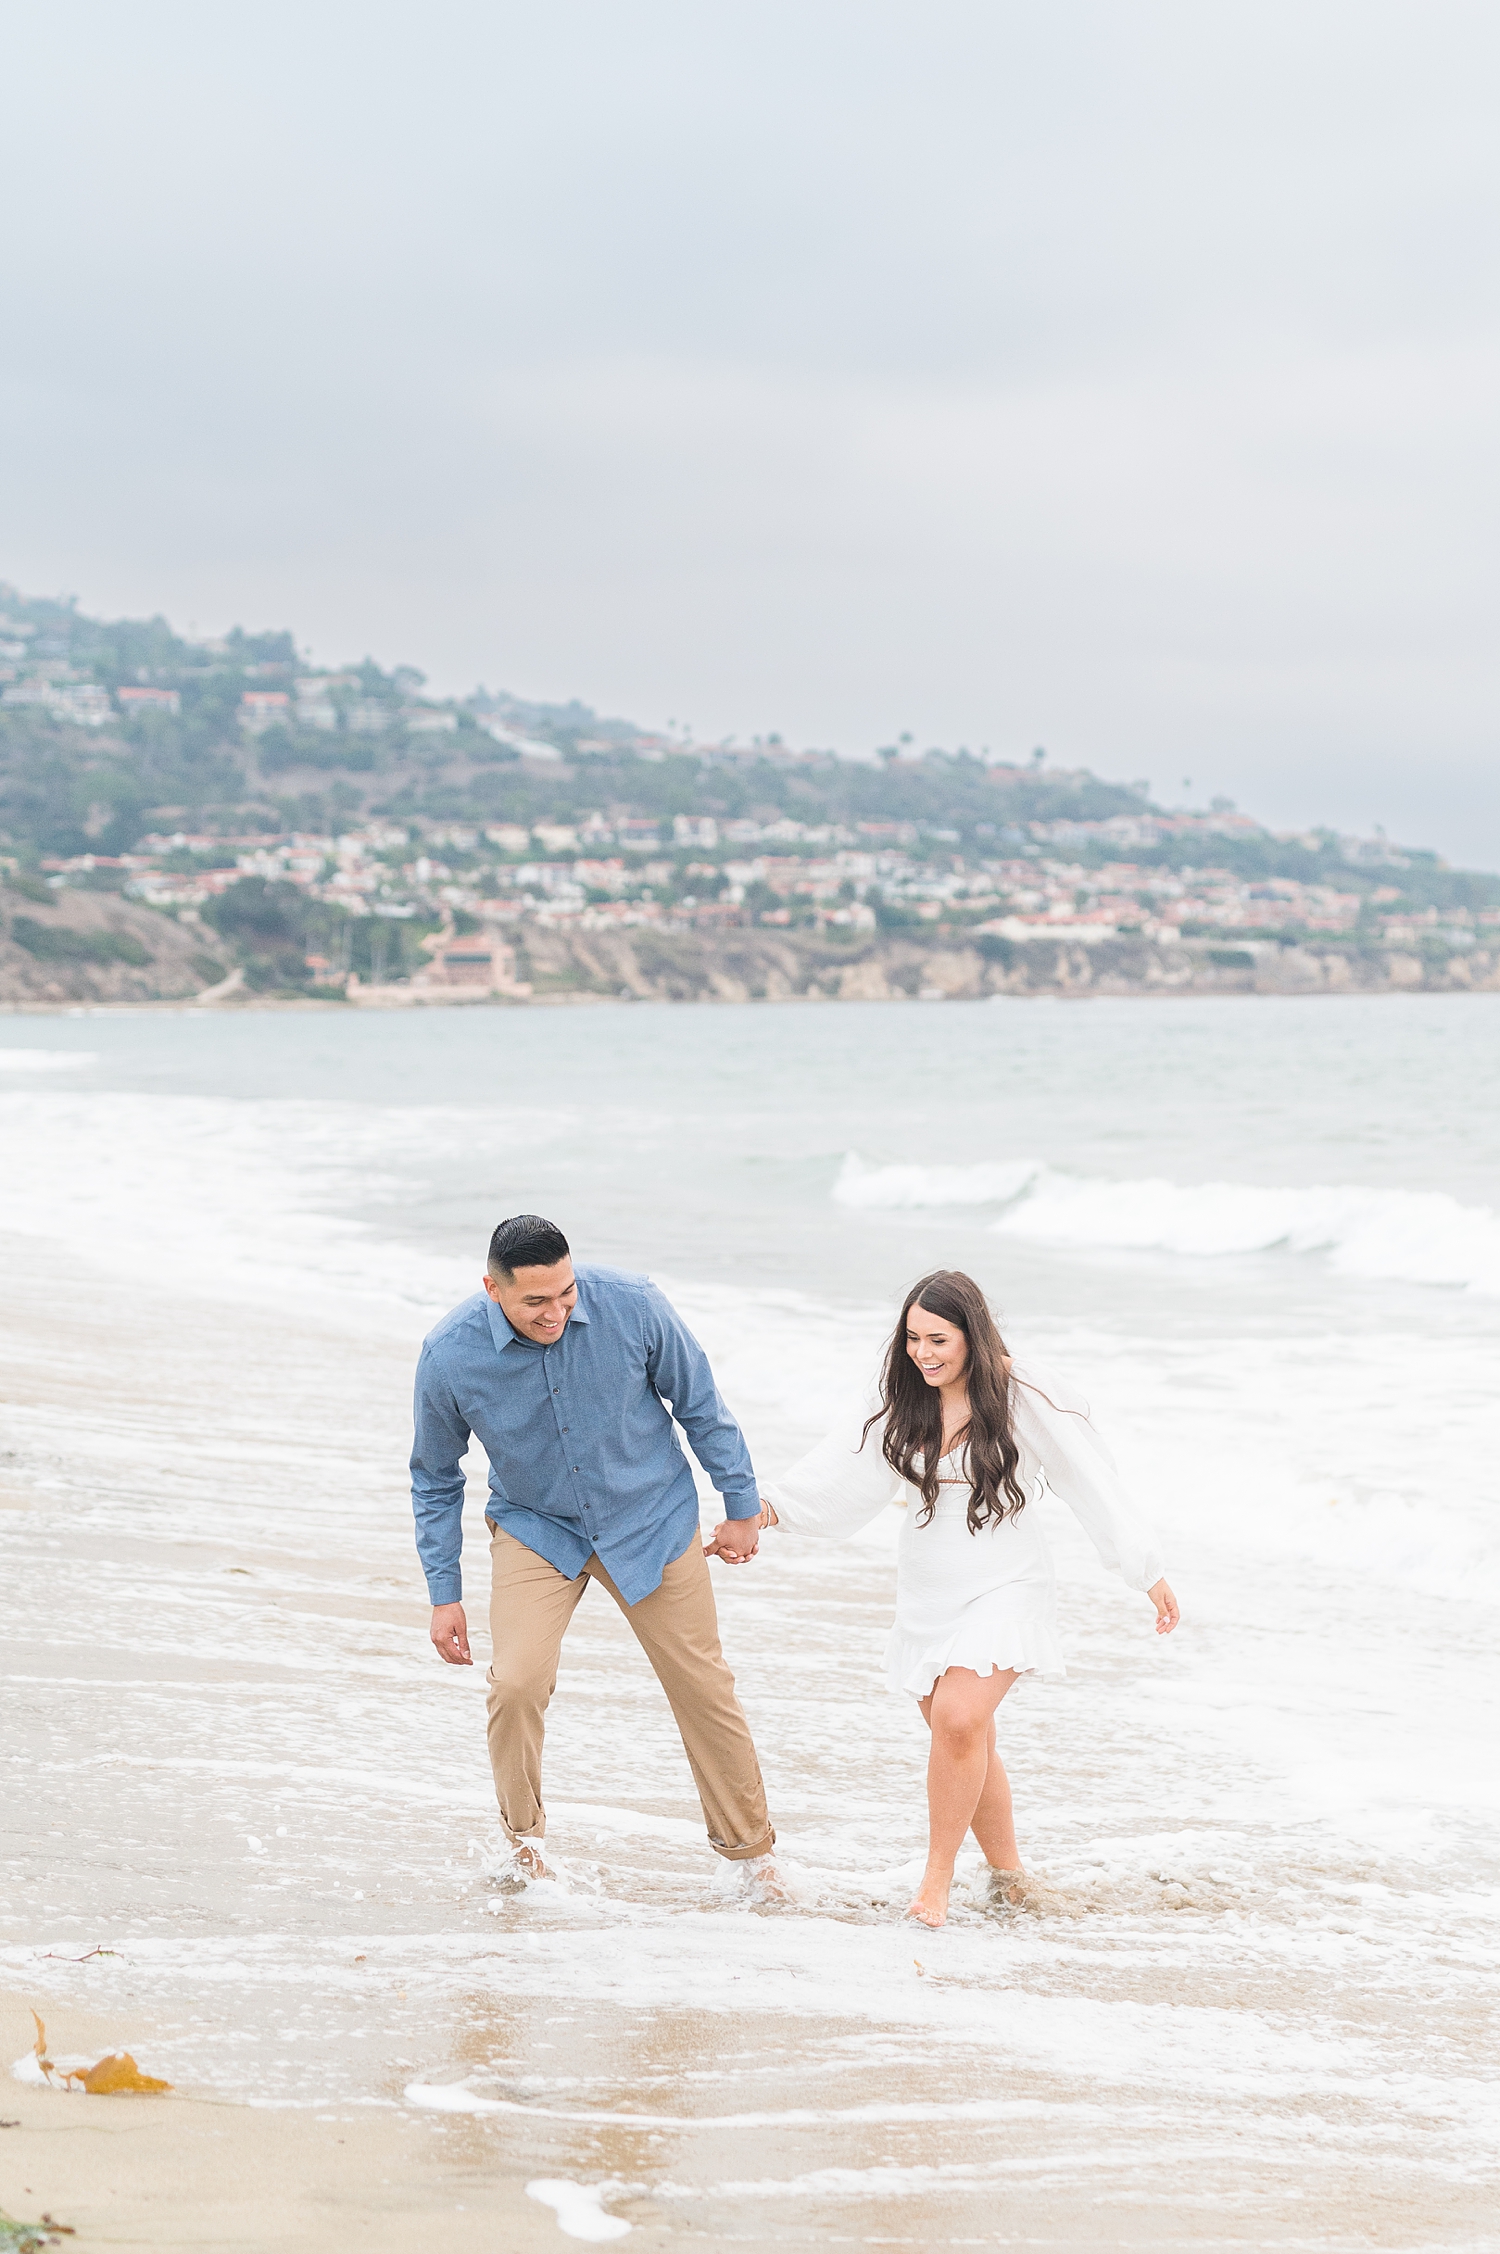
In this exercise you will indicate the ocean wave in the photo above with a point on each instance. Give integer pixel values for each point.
(1412, 1236)
(888, 1188)
(201, 1194)
(44, 1060)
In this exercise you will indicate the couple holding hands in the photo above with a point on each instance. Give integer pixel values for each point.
(564, 1376)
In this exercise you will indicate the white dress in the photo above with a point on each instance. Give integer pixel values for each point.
(986, 1600)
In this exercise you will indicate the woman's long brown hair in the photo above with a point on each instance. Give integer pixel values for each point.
(913, 1409)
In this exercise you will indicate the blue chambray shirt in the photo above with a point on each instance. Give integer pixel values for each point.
(583, 1457)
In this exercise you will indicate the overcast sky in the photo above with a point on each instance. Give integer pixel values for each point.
(1120, 378)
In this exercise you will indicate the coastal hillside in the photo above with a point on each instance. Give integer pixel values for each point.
(181, 817)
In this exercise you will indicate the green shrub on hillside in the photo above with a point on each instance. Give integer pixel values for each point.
(52, 943)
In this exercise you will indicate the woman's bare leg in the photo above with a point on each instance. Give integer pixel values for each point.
(993, 1823)
(960, 1711)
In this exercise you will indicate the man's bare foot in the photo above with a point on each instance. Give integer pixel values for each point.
(931, 1904)
(764, 1880)
(528, 1860)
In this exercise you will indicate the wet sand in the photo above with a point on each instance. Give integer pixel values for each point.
(208, 2176)
(203, 2174)
(236, 1770)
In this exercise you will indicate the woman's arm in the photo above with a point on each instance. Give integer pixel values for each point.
(1053, 1426)
(837, 1487)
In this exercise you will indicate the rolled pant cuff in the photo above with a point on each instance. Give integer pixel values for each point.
(743, 1854)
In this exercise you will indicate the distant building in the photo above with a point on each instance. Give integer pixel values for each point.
(264, 708)
(86, 705)
(600, 876)
(149, 700)
(427, 720)
(470, 966)
(315, 708)
(695, 829)
(484, 964)
(366, 718)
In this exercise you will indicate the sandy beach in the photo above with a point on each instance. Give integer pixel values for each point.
(208, 2176)
(200, 2173)
(249, 1834)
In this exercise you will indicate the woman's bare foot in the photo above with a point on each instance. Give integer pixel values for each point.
(930, 1906)
(529, 1862)
(1007, 1885)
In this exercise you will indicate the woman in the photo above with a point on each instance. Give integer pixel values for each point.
(963, 1440)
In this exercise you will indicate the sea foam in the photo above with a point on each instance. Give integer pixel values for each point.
(1415, 1236)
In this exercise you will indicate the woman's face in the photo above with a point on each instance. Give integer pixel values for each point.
(940, 1350)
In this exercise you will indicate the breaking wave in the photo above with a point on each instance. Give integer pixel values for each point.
(1414, 1236)
(892, 1186)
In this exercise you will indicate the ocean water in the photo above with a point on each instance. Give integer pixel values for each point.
(1263, 1950)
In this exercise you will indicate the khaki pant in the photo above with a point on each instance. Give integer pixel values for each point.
(677, 1627)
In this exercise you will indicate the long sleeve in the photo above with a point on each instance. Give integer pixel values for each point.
(439, 1444)
(1052, 1423)
(679, 1370)
(837, 1487)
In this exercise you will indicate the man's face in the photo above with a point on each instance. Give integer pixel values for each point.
(536, 1302)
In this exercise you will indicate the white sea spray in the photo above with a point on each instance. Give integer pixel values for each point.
(1412, 1236)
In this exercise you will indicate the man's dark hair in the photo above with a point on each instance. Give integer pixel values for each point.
(525, 1241)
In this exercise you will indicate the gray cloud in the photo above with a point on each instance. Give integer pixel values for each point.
(1113, 377)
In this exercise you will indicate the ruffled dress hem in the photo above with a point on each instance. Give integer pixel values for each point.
(1031, 1650)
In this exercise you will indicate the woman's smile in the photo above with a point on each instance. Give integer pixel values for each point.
(940, 1352)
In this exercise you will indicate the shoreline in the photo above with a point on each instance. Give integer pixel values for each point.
(242, 1005)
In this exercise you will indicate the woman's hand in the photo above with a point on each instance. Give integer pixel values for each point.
(1167, 1613)
(738, 1549)
(736, 1540)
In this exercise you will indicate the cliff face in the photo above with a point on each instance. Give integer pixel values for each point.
(74, 946)
(756, 965)
(66, 946)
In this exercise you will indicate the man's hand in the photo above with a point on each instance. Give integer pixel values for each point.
(736, 1540)
(450, 1634)
(1167, 1614)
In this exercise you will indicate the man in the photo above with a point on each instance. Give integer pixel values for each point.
(564, 1378)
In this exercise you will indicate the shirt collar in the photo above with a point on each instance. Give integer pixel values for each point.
(504, 1335)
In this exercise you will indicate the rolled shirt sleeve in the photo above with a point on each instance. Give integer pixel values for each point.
(437, 1481)
(679, 1370)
